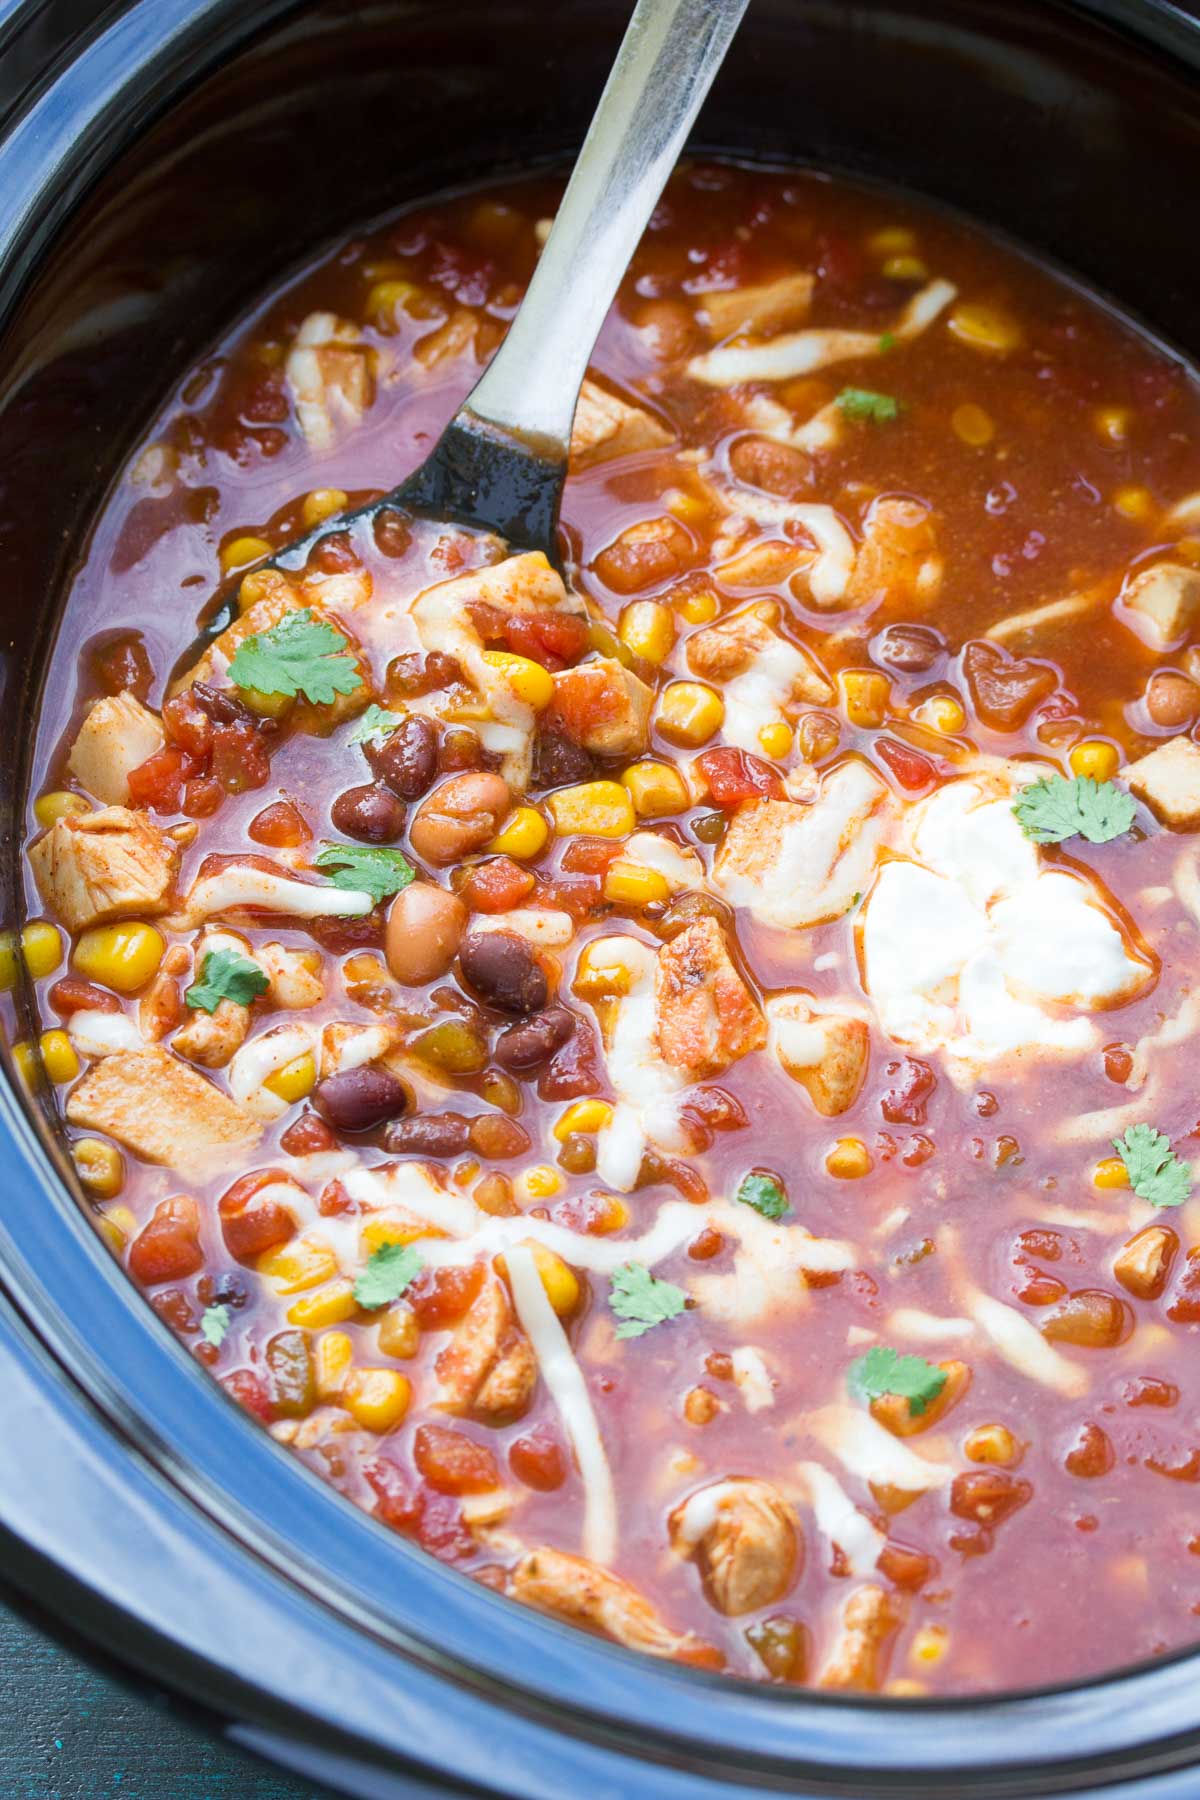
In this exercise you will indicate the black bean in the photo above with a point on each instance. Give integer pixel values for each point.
(504, 971)
(224, 1289)
(406, 761)
(525, 1047)
(370, 813)
(358, 1099)
(429, 1134)
(909, 648)
(222, 707)
(558, 759)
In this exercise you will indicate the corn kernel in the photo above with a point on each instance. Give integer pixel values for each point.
(29, 1068)
(399, 1331)
(903, 1687)
(655, 788)
(865, 696)
(689, 713)
(332, 1304)
(377, 1233)
(892, 240)
(607, 643)
(647, 627)
(596, 979)
(99, 1166)
(321, 504)
(294, 1268)
(117, 1226)
(775, 740)
(1110, 1172)
(992, 1444)
(254, 587)
(524, 834)
(41, 946)
(377, 1398)
(698, 607)
(594, 809)
(974, 426)
(242, 550)
(1136, 503)
(123, 956)
(690, 508)
(267, 706)
(586, 1116)
(333, 1354)
(941, 712)
(296, 1078)
(1096, 759)
(929, 1644)
(541, 1182)
(905, 267)
(1112, 423)
(614, 1217)
(628, 884)
(527, 680)
(58, 804)
(387, 298)
(558, 1277)
(58, 1057)
(817, 736)
(849, 1160)
(984, 327)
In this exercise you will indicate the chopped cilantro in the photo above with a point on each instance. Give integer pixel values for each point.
(887, 342)
(1055, 808)
(300, 655)
(224, 975)
(214, 1324)
(388, 1272)
(861, 403)
(765, 1195)
(640, 1300)
(376, 724)
(1155, 1172)
(883, 1371)
(373, 868)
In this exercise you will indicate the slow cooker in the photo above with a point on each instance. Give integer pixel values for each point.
(159, 160)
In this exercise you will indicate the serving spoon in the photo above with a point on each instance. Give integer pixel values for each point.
(501, 462)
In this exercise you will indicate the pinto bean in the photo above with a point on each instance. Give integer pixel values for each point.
(459, 816)
(371, 813)
(429, 1134)
(406, 761)
(525, 1047)
(168, 1248)
(358, 1099)
(1091, 1318)
(1171, 699)
(503, 970)
(424, 928)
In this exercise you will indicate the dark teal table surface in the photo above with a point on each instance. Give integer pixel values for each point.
(69, 1733)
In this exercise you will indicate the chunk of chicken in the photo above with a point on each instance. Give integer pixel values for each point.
(707, 1016)
(603, 706)
(825, 1051)
(857, 1660)
(1023, 630)
(746, 1540)
(761, 672)
(575, 1589)
(1162, 602)
(294, 983)
(1168, 780)
(791, 864)
(118, 735)
(213, 1038)
(607, 426)
(329, 374)
(164, 1112)
(112, 864)
(488, 1368)
(454, 337)
(897, 560)
(767, 307)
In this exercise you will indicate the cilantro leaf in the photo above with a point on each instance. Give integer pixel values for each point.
(376, 724)
(214, 1324)
(765, 1195)
(373, 868)
(388, 1272)
(1055, 808)
(300, 655)
(887, 342)
(883, 1371)
(862, 403)
(224, 975)
(640, 1300)
(1155, 1172)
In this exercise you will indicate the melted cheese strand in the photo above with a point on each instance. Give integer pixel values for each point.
(1023, 1345)
(840, 1521)
(867, 1449)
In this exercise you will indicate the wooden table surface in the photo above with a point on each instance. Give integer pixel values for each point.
(70, 1733)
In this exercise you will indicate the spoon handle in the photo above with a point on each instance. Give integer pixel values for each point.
(670, 53)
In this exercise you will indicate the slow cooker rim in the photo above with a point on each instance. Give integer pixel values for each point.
(162, 31)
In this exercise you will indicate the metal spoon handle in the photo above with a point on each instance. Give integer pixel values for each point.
(670, 53)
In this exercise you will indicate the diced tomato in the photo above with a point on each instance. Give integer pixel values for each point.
(718, 1110)
(489, 621)
(1005, 689)
(452, 1462)
(906, 1568)
(556, 640)
(537, 1459)
(574, 1070)
(589, 855)
(734, 775)
(201, 797)
(409, 1507)
(239, 758)
(440, 1296)
(158, 782)
(583, 899)
(168, 1248)
(912, 770)
(440, 1529)
(281, 826)
(250, 1391)
(911, 1084)
(251, 1224)
(187, 724)
(70, 995)
(335, 1201)
(307, 1135)
(496, 886)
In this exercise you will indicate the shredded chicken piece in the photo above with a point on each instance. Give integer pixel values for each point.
(488, 1368)
(746, 1540)
(576, 1589)
(607, 426)
(117, 736)
(212, 1038)
(802, 352)
(856, 1662)
(163, 1111)
(112, 864)
(329, 374)
(707, 1016)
